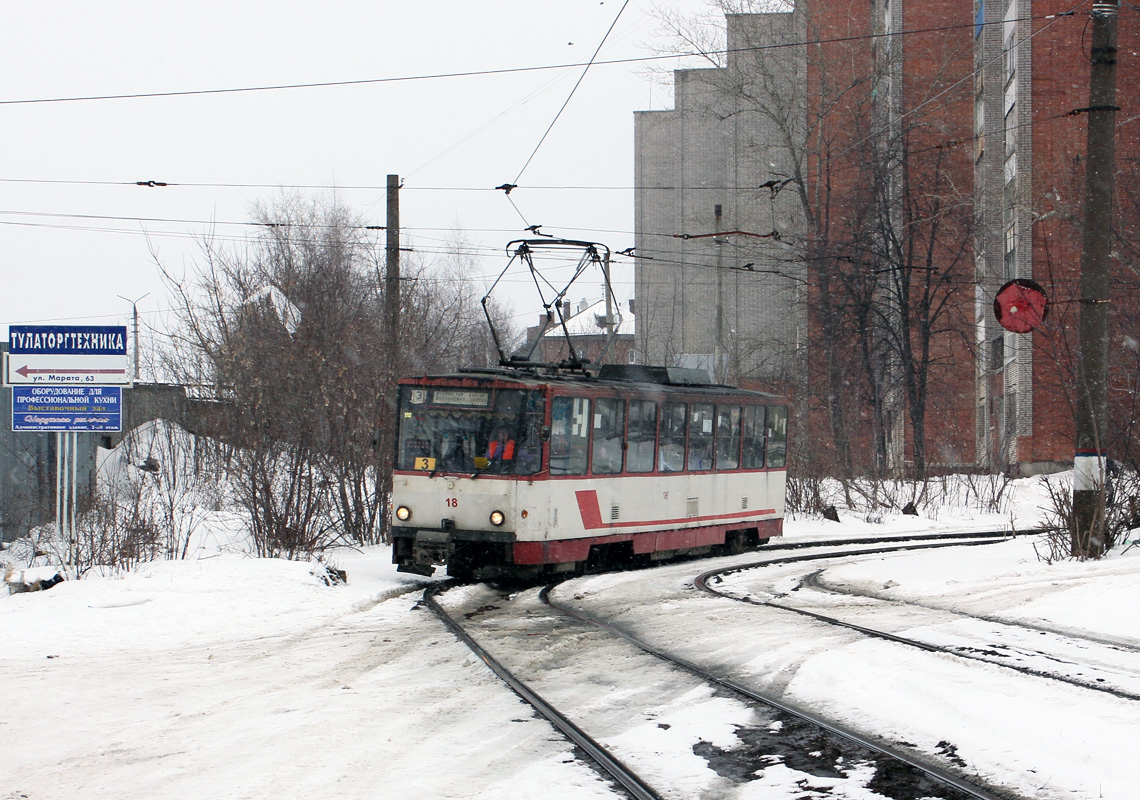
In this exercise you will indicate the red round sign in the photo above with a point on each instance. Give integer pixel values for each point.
(1021, 305)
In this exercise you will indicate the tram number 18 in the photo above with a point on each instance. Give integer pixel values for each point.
(452, 502)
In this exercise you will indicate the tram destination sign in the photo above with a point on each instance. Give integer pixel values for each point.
(67, 354)
(67, 408)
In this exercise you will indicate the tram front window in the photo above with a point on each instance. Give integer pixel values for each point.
(497, 432)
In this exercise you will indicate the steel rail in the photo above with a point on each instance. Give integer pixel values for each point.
(941, 775)
(921, 537)
(1130, 645)
(701, 582)
(626, 778)
(950, 650)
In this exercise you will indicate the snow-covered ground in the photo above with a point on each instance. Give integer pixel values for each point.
(231, 677)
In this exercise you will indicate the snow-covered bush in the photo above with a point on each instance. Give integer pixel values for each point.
(289, 503)
(983, 493)
(1120, 514)
(162, 476)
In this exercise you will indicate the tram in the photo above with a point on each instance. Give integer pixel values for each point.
(508, 473)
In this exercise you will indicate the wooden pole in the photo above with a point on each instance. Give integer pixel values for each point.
(387, 426)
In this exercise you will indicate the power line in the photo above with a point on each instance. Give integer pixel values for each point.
(330, 186)
(578, 83)
(492, 72)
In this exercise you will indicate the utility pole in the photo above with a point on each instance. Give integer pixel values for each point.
(609, 293)
(718, 345)
(387, 427)
(1089, 458)
(392, 277)
(135, 315)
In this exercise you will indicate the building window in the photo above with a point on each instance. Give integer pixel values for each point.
(1009, 61)
(997, 354)
(1010, 261)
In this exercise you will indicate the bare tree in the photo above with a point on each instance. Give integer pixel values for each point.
(286, 335)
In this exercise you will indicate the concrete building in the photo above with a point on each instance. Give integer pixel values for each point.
(775, 191)
(714, 284)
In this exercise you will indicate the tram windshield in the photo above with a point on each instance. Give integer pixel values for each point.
(471, 430)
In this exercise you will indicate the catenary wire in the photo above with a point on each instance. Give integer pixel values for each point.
(490, 72)
(569, 97)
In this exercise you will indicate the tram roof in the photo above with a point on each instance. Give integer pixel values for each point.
(647, 378)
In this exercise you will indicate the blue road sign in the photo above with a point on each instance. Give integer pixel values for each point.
(88, 340)
(67, 408)
(67, 354)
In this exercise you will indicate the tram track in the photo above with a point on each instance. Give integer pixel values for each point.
(1130, 645)
(797, 727)
(1087, 662)
(949, 780)
(612, 766)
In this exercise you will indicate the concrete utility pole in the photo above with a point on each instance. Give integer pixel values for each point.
(387, 427)
(392, 278)
(718, 346)
(1089, 458)
(135, 314)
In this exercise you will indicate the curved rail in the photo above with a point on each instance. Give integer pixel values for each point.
(701, 582)
(626, 778)
(1130, 645)
(935, 773)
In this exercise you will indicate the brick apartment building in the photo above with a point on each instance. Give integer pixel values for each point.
(912, 157)
(1032, 68)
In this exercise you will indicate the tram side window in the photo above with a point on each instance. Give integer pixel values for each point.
(529, 451)
(777, 436)
(728, 437)
(753, 437)
(672, 453)
(609, 425)
(569, 435)
(642, 436)
(701, 436)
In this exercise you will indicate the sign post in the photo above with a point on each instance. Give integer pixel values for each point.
(65, 379)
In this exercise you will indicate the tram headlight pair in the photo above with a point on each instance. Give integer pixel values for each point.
(403, 513)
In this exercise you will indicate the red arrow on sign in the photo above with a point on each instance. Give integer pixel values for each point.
(26, 371)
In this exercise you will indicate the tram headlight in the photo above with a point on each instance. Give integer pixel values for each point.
(403, 513)
(497, 518)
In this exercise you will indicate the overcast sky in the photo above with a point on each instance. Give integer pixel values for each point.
(64, 160)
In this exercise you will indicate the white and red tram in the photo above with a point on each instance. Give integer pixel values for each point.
(505, 473)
